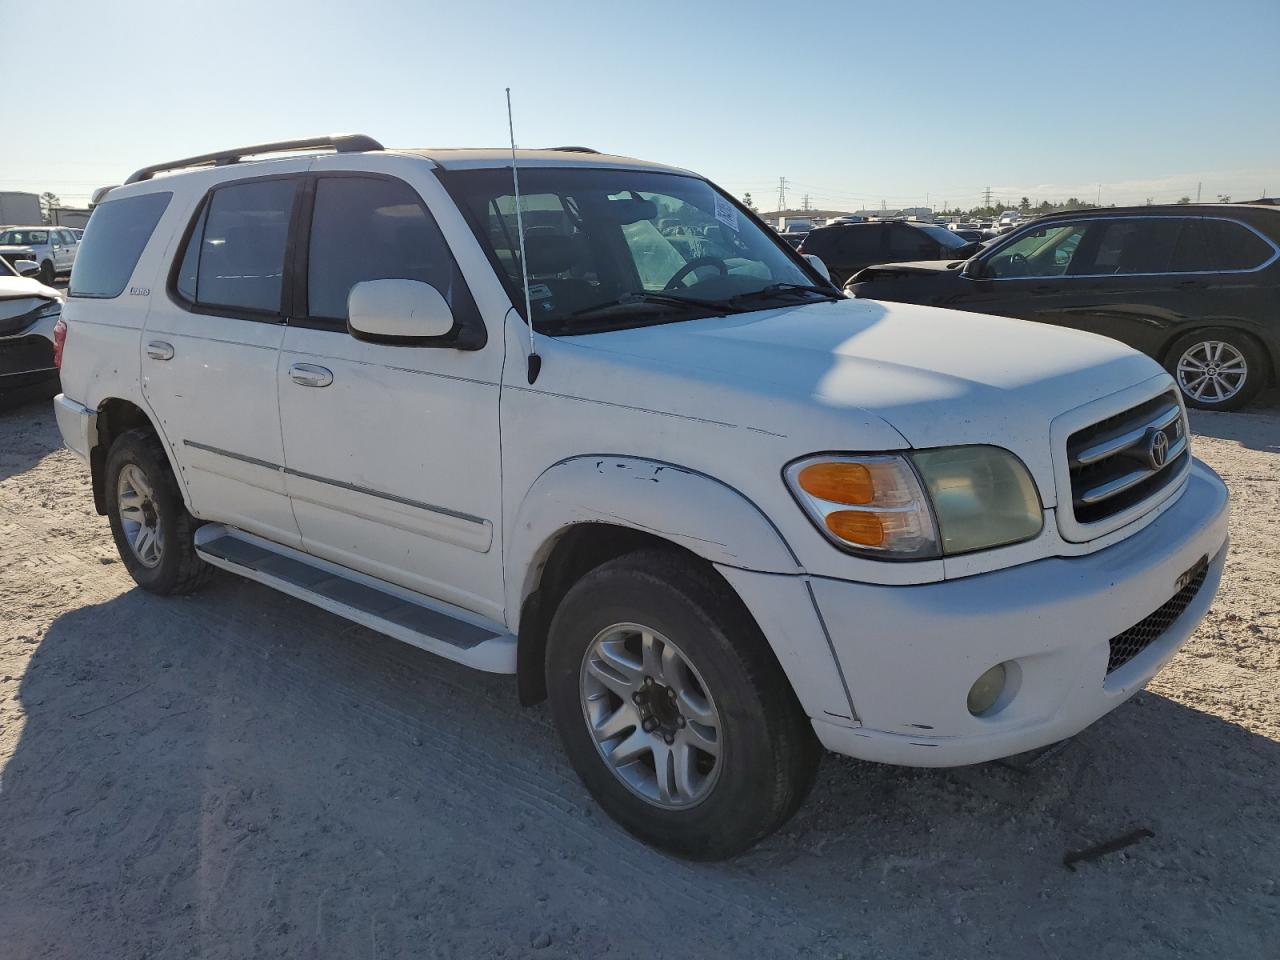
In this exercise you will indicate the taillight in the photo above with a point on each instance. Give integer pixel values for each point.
(59, 341)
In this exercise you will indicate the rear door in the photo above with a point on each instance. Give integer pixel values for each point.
(859, 245)
(392, 449)
(211, 346)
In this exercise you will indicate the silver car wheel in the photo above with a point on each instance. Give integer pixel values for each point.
(1212, 371)
(139, 518)
(650, 716)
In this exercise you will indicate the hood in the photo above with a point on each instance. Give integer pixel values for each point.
(939, 377)
(910, 267)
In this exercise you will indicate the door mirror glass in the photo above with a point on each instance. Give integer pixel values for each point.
(973, 270)
(817, 264)
(26, 268)
(397, 310)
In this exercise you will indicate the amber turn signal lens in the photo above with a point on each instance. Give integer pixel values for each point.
(857, 526)
(838, 482)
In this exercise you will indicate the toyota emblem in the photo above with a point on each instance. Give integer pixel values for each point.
(1158, 449)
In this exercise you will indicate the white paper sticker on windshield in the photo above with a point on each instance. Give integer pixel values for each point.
(726, 213)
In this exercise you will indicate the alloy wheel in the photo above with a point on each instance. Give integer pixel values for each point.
(651, 716)
(139, 517)
(1212, 371)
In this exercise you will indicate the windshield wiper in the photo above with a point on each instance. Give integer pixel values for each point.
(662, 299)
(776, 289)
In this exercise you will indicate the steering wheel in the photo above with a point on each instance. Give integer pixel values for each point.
(695, 264)
(1017, 264)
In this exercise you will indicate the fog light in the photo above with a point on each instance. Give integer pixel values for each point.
(986, 690)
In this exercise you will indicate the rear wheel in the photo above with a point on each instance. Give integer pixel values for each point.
(673, 709)
(153, 531)
(1217, 369)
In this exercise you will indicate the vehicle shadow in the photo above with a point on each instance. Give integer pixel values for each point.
(238, 774)
(1257, 426)
(31, 434)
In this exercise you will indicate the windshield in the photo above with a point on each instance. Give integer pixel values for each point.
(607, 248)
(24, 236)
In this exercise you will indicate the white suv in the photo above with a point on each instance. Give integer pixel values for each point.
(717, 514)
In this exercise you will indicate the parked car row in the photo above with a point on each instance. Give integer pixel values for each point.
(1197, 287)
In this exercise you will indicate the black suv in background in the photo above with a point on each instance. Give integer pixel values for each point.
(1195, 286)
(848, 247)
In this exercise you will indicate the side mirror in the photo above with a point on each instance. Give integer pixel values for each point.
(26, 268)
(973, 270)
(817, 264)
(398, 312)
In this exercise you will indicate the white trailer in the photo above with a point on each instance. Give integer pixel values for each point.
(19, 209)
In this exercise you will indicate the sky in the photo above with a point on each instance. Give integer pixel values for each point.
(856, 104)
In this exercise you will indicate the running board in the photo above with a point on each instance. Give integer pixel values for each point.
(433, 625)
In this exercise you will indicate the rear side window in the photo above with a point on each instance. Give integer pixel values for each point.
(1237, 247)
(1136, 246)
(234, 258)
(861, 241)
(366, 228)
(117, 233)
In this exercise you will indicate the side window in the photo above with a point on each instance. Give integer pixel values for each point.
(1195, 249)
(366, 228)
(121, 229)
(905, 241)
(1048, 251)
(1238, 247)
(861, 242)
(66, 237)
(234, 259)
(1129, 246)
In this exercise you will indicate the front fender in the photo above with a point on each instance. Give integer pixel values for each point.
(704, 515)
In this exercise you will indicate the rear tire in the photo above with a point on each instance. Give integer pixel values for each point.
(1217, 369)
(713, 682)
(152, 528)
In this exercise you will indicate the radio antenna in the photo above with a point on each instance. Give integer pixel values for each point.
(535, 361)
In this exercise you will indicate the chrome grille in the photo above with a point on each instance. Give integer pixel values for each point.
(1123, 460)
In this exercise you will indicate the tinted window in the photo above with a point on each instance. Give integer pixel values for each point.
(117, 233)
(905, 241)
(1238, 247)
(1134, 246)
(861, 242)
(240, 257)
(822, 242)
(186, 283)
(944, 238)
(373, 229)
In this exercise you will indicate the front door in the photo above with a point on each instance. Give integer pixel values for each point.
(209, 354)
(391, 451)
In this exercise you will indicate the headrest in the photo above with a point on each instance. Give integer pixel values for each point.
(549, 251)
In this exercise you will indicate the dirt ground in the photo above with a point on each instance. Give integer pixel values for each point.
(237, 774)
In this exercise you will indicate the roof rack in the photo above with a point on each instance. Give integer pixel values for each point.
(572, 149)
(342, 143)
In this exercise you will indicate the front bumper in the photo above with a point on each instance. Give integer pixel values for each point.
(910, 654)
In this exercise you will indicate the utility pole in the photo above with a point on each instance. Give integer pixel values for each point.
(782, 194)
(1198, 186)
(1099, 194)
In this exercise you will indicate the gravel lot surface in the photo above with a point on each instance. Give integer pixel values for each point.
(237, 774)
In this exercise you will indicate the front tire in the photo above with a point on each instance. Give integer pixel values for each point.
(1217, 369)
(673, 709)
(154, 533)
(47, 273)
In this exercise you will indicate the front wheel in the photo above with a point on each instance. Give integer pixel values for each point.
(1217, 369)
(673, 709)
(47, 273)
(154, 533)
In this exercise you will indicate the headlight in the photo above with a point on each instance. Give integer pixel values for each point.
(921, 505)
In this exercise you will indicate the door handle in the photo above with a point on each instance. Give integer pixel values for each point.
(159, 350)
(310, 375)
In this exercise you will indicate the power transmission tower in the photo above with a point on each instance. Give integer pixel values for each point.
(986, 197)
(805, 203)
(782, 194)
